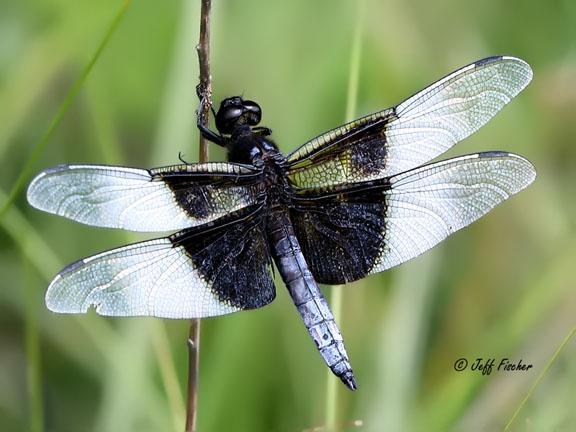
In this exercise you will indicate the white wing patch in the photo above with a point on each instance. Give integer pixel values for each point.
(126, 198)
(427, 204)
(416, 131)
(433, 120)
(152, 278)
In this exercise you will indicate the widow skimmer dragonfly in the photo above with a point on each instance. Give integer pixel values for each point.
(351, 202)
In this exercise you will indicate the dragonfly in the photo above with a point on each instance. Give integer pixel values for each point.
(352, 202)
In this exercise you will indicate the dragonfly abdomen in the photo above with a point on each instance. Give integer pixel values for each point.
(307, 296)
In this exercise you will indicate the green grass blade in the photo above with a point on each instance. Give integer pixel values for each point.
(29, 78)
(45, 260)
(541, 375)
(34, 360)
(333, 383)
(336, 297)
(536, 304)
(168, 373)
(70, 96)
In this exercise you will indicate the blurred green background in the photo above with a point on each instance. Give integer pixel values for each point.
(504, 287)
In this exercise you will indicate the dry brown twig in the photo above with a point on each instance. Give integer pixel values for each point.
(204, 90)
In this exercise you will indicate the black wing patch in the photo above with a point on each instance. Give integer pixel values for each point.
(196, 273)
(234, 258)
(162, 199)
(352, 231)
(412, 133)
(341, 236)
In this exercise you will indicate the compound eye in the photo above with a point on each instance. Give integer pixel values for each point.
(231, 114)
(254, 112)
(227, 118)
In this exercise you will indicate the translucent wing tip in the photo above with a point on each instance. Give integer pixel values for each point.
(59, 298)
(525, 169)
(518, 67)
(35, 194)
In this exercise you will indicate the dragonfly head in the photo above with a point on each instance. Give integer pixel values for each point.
(234, 112)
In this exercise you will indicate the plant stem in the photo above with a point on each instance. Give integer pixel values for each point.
(336, 297)
(541, 375)
(205, 94)
(205, 86)
(193, 369)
